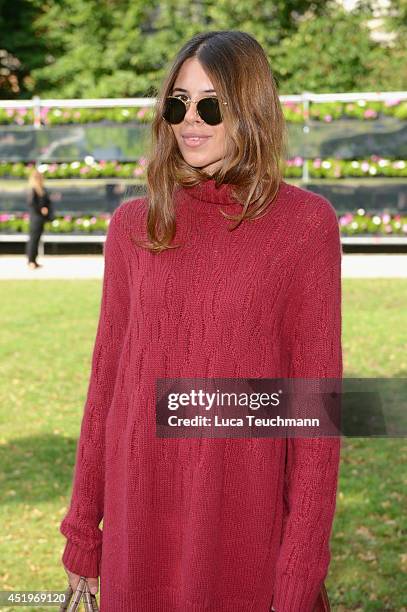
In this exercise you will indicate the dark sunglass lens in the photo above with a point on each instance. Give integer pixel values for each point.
(209, 110)
(174, 110)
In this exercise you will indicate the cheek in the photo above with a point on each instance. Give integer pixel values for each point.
(219, 139)
(175, 131)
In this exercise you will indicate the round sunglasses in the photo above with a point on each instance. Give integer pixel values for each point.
(175, 109)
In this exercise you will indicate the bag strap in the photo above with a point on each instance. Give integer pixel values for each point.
(82, 592)
(322, 604)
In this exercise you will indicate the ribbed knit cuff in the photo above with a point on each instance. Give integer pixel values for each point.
(82, 562)
(293, 595)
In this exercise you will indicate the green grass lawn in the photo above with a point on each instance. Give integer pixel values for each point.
(48, 329)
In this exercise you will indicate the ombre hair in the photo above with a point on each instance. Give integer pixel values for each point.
(36, 181)
(256, 137)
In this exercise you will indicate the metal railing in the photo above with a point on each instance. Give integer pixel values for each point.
(305, 96)
(36, 103)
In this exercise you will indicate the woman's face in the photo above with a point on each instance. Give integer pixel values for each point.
(208, 153)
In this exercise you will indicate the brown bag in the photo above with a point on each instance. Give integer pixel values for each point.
(322, 604)
(82, 592)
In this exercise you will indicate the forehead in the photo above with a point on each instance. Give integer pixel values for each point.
(188, 92)
(192, 78)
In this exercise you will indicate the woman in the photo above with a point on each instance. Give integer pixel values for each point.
(39, 204)
(197, 523)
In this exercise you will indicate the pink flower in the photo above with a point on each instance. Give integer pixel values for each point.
(298, 161)
(404, 228)
(369, 112)
(365, 166)
(386, 218)
(328, 118)
(345, 219)
(317, 163)
(138, 171)
(391, 102)
(388, 229)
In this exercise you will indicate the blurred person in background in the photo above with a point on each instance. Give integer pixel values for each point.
(39, 205)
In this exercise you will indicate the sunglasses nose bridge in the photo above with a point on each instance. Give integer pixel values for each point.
(190, 110)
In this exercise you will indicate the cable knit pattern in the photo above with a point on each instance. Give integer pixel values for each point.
(208, 525)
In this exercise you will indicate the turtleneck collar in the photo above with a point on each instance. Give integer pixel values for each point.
(206, 191)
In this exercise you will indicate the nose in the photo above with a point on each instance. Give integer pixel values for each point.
(192, 113)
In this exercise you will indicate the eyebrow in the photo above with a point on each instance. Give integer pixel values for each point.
(201, 91)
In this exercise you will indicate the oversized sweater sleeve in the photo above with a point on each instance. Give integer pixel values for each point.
(315, 351)
(82, 553)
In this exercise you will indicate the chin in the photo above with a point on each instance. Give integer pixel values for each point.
(197, 164)
(197, 160)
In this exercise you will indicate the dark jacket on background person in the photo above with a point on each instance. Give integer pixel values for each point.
(37, 221)
(36, 202)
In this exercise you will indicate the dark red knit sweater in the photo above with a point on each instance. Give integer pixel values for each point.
(215, 525)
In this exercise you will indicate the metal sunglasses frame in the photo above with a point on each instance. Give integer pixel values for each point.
(189, 101)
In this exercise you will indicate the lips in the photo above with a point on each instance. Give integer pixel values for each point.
(195, 141)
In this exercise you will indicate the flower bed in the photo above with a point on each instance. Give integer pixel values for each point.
(87, 169)
(362, 110)
(293, 111)
(354, 223)
(64, 116)
(318, 168)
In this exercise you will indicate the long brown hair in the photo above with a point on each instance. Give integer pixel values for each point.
(255, 129)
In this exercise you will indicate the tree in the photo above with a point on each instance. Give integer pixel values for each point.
(110, 48)
(21, 49)
(115, 48)
(332, 53)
